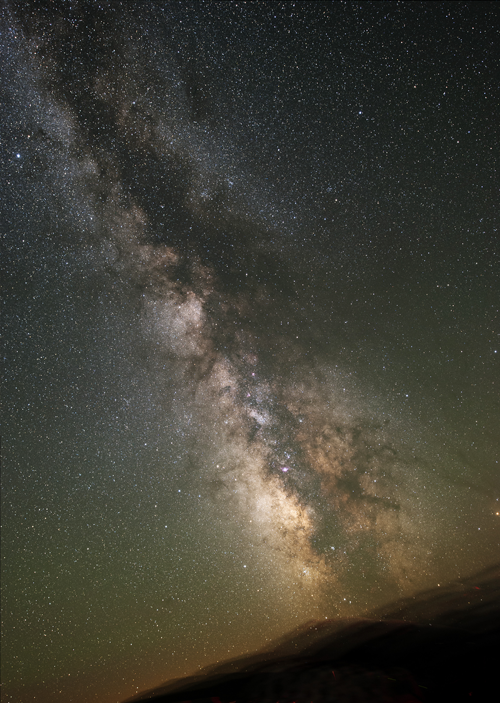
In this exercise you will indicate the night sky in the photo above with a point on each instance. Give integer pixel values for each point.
(252, 285)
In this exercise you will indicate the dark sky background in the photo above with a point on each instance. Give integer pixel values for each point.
(251, 320)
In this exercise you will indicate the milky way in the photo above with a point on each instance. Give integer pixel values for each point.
(251, 347)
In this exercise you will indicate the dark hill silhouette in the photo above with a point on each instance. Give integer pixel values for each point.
(442, 645)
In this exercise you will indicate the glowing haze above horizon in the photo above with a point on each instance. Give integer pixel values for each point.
(251, 326)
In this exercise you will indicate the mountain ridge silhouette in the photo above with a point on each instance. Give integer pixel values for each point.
(440, 644)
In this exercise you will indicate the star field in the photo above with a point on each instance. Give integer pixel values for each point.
(250, 254)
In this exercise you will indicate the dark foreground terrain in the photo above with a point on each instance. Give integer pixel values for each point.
(443, 645)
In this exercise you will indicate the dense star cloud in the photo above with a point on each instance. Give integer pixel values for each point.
(251, 266)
